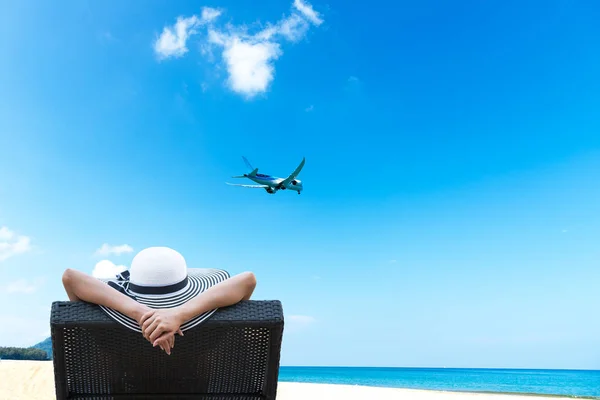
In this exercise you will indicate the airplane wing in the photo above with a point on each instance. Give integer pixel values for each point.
(294, 174)
(248, 186)
(247, 163)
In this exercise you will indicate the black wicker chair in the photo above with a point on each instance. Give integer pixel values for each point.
(232, 356)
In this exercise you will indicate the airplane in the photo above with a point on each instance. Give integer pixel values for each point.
(271, 184)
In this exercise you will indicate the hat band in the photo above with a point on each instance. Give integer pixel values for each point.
(158, 289)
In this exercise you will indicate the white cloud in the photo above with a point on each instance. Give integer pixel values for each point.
(249, 62)
(309, 108)
(210, 14)
(307, 10)
(23, 286)
(172, 41)
(106, 249)
(12, 244)
(106, 269)
(293, 28)
(249, 58)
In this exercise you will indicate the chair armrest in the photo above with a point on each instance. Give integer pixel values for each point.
(259, 312)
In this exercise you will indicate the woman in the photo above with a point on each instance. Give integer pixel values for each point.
(159, 296)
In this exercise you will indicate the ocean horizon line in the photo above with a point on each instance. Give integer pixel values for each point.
(442, 368)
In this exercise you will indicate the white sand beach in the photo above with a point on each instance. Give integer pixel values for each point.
(35, 380)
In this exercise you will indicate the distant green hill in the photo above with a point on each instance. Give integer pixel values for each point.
(46, 345)
(40, 351)
(20, 353)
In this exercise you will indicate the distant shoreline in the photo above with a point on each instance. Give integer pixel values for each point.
(527, 394)
(559, 396)
(431, 393)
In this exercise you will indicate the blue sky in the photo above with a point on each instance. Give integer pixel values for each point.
(451, 211)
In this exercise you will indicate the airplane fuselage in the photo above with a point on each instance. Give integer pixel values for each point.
(275, 183)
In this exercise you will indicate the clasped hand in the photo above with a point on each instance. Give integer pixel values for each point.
(159, 327)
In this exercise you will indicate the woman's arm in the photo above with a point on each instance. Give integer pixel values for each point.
(82, 287)
(226, 293)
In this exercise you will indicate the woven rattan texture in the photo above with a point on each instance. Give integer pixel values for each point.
(232, 356)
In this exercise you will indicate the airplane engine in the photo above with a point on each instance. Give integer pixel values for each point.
(270, 190)
(294, 182)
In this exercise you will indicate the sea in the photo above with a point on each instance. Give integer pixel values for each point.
(571, 383)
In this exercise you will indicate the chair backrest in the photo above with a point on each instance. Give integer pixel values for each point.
(232, 356)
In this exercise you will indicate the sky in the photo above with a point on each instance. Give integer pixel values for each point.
(451, 210)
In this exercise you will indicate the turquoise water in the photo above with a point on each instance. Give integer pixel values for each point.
(554, 382)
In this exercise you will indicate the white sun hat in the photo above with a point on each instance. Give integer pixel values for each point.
(159, 278)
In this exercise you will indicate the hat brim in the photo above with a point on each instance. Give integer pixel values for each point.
(199, 280)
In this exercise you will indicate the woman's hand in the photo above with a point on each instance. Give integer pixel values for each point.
(166, 343)
(159, 326)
